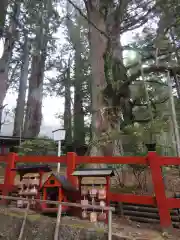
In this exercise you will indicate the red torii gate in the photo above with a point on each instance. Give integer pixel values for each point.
(154, 161)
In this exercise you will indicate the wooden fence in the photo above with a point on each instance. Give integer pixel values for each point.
(144, 214)
(154, 161)
(58, 221)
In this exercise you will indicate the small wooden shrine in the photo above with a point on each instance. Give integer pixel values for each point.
(30, 182)
(94, 186)
(57, 188)
(40, 169)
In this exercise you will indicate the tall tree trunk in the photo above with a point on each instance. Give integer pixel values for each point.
(20, 108)
(67, 108)
(79, 128)
(3, 8)
(98, 45)
(74, 31)
(35, 94)
(10, 38)
(109, 76)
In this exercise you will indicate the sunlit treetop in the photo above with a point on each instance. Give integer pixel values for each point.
(131, 57)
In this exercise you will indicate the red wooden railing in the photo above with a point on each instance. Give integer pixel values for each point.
(154, 161)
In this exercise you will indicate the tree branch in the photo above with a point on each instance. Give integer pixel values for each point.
(152, 102)
(131, 25)
(154, 69)
(88, 20)
(154, 81)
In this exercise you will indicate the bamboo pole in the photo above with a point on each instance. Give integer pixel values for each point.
(58, 222)
(109, 225)
(69, 204)
(24, 222)
(173, 114)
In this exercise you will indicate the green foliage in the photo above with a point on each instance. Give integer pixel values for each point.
(38, 146)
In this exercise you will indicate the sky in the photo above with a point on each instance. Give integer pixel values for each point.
(51, 105)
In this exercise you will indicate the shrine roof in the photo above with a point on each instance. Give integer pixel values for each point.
(64, 182)
(87, 172)
(33, 168)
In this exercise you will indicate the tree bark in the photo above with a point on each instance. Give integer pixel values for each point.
(79, 128)
(10, 38)
(108, 74)
(67, 108)
(3, 8)
(74, 31)
(20, 108)
(98, 45)
(33, 117)
(35, 94)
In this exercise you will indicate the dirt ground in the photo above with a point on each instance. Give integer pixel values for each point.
(123, 229)
(142, 231)
(128, 230)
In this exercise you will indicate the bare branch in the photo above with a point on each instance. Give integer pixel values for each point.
(88, 20)
(141, 20)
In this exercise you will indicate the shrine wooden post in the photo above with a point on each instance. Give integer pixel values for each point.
(9, 176)
(159, 190)
(71, 166)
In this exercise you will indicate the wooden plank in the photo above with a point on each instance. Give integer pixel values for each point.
(93, 180)
(38, 159)
(69, 204)
(147, 215)
(111, 160)
(168, 160)
(131, 198)
(173, 203)
(146, 209)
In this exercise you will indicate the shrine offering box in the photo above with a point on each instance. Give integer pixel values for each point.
(94, 186)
